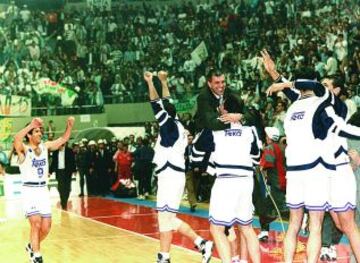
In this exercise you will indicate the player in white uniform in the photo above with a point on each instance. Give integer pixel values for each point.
(310, 126)
(170, 161)
(34, 164)
(342, 204)
(231, 195)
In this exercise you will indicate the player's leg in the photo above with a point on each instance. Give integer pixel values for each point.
(290, 240)
(221, 242)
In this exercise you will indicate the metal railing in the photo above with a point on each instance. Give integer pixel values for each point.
(67, 110)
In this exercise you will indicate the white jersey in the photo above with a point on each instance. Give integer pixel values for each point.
(34, 169)
(173, 155)
(235, 151)
(171, 143)
(306, 149)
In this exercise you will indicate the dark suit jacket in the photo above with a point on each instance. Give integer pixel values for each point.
(207, 113)
(70, 165)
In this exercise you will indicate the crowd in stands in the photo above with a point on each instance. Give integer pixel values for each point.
(99, 53)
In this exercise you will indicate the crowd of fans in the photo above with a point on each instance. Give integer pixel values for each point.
(100, 53)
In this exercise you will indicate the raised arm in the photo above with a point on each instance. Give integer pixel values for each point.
(168, 128)
(19, 137)
(337, 125)
(162, 75)
(153, 95)
(54, 145)
(269, 65)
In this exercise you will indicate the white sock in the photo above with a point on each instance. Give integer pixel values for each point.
(235, 258)
(37, 254)
(198, 241)
(166, 255)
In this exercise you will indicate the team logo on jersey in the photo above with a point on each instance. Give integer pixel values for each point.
(233, 132)
(38, 163)
(297, 115)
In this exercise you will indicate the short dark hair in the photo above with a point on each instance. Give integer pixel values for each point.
(306, 73)
(170, 108)
(30, 132)
(213, 72)
(338, 82)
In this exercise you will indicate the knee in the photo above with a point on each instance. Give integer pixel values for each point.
(45, 228)
(168, 222)
(36, 224)
(214, 229)
(347, 227)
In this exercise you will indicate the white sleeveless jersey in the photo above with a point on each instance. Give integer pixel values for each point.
(303, 149)
(35, 168)
(173, 155)
(232, 156)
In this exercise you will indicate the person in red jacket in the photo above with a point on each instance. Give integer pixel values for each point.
(123, 162)
(273, 168)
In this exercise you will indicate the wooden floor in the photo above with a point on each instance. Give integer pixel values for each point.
(75, 238)
(102, 230)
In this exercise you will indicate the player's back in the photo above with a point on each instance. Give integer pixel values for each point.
(232, 153)
(305, 141)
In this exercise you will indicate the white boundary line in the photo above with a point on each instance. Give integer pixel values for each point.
(128, 231)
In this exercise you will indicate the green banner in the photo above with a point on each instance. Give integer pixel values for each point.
(47, 86)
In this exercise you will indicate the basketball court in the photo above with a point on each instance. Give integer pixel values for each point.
(105, 229)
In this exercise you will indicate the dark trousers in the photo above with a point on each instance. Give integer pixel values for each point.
(92, 183)
(144, 175)
(84, 179)
(330, 235)
(64, 186)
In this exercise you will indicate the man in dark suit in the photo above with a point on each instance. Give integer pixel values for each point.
(103, 168)
(214, 104)
(64, 166)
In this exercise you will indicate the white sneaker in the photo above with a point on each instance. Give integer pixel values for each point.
(29, 250)
(324, 254)
(206, 248)
(263, 236)
(141, 197)
(332, 252)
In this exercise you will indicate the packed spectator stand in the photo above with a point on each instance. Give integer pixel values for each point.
(101, 54)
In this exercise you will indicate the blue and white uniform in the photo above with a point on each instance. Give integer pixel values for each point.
(343, 177)
(169, 159)
(34, 171)
(311, 126)
(232, 161)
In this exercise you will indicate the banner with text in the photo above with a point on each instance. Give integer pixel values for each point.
(15, 105)
(47, 86)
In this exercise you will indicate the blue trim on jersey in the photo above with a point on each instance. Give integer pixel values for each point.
(340, 107)
(341, 164)
(211, 164)
(321, 122)
(311, 165)
(231, 223)
(231, 166)
(231, 176)
(340, 150)
(348, 135)
(347, 207)
(195, 155)
(291, 94)
(32, 213)
(323, 207)
(167, 208)
(295, 206)
(169, 165)
(205, 141)
(46, 215)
